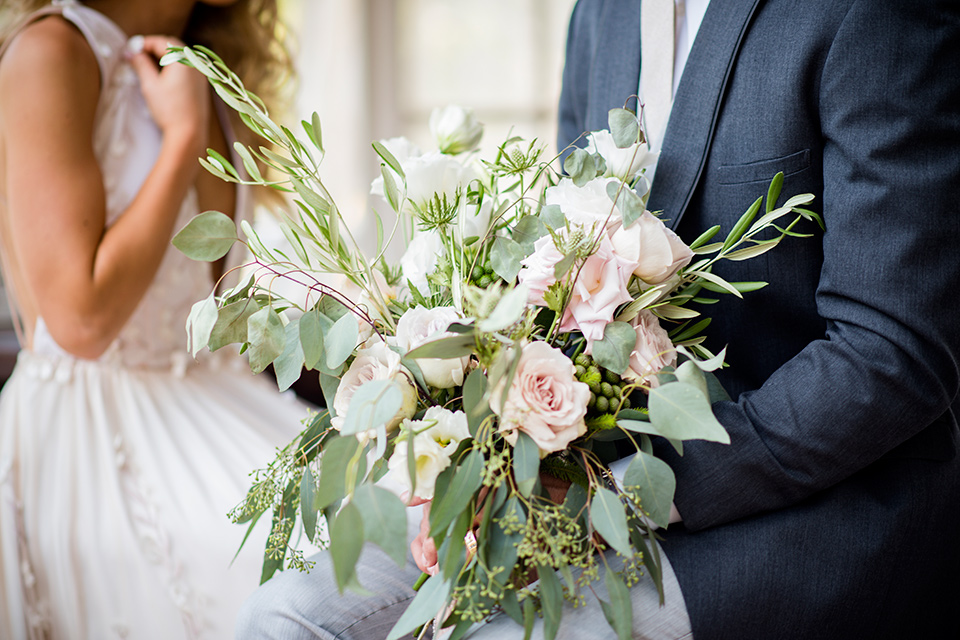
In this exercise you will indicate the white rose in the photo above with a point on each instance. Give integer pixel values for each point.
(420, 325)
(652, 352)
(437, 437)
(588, 206)
(657, 250)
(375, 362)
(455, 129)
(420, 259)
(623, 164)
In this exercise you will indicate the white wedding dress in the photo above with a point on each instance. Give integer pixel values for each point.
(116, 474)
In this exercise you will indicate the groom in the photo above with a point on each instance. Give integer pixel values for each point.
(835, 511)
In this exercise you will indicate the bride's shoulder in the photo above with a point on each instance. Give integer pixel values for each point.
(46, 62)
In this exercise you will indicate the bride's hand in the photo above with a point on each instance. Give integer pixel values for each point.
(178, 96)
(423, 549)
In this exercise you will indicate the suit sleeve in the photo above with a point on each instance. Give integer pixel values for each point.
(887, 368)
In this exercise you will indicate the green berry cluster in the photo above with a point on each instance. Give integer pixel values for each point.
(606, 389)
(483, 276)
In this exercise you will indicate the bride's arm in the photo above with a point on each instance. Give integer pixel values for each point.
(86, 281)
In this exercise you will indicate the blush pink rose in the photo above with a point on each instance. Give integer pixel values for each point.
(537, 269)
(652, 352)
(600, 288)
(545, 400)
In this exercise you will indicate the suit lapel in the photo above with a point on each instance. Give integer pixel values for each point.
(697, 105)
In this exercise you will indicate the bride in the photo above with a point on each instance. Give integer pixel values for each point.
(120, 455)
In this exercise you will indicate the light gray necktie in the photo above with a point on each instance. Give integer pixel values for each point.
(657, 48)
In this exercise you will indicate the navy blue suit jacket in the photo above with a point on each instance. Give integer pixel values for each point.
(835, 510)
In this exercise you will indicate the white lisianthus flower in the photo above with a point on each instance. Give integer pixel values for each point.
(374, 362)
(455, 129)
(623, 164)
(658, 252)
(420, 325)
(588, 206)
(545, 400)
(434, 174)
(420, 259)
(437, 437)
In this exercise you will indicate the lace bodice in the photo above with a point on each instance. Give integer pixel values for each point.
(126, 144)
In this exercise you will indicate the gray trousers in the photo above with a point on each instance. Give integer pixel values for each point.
(306, 606)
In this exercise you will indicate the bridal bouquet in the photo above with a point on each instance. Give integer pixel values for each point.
(539, 325)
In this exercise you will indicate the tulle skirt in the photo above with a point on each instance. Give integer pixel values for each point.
(115, 485)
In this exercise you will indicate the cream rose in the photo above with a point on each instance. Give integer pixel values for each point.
(420, 325)
(375, 362)
(657, 250)
(437, 437)
(455, 129)
(545, 401)
(623, 164)
(652, 352)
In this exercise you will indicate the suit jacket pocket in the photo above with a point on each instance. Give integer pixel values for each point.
(763, 170)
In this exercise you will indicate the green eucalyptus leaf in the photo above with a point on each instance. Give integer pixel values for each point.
(341, 339)
(610, 521)
(231, 324)
(384, 520)
(208, 237)
(501, 548)
(266, 335)
(428, 602)
(289, 365)
(526, 463)
(652, 480)
(474, 403)
(624, 126)
(613, 351)
(373, 404)
(682, 411)
(505, 257)
(619, 612)
(335, 461)
(308, 489)
(346, 543)
(467, 478)
(551, 600)
(581, 167)
(312, 326)
(552, 217)
(527, 231)
(449, 347)
(630, 204)
(200, 323)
